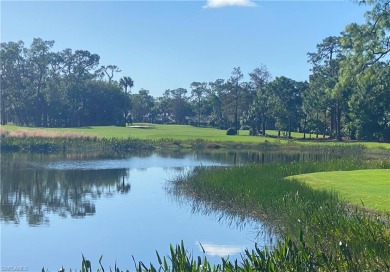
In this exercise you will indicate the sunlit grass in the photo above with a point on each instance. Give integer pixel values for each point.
(370, 188)
(290, 207)
(185, 133)
(157, 132)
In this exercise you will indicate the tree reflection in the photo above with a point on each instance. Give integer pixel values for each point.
(34, 193)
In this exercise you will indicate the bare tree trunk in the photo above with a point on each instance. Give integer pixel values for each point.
(325, 124)
(338, 123)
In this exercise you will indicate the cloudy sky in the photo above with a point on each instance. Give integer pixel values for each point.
(169, 44)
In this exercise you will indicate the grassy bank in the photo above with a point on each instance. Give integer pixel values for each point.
(332, 234)
(155, 132)
(16, 139)
(367, 188)
(115, 139)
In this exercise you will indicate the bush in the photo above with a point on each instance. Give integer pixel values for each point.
(231, 131)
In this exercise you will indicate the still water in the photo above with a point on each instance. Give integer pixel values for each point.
(56, 208)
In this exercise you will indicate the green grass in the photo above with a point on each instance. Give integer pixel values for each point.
(292, 207)
(184, 132)
(370, 188)
(157, 132)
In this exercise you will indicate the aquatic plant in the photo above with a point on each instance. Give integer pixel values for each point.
(291, 208)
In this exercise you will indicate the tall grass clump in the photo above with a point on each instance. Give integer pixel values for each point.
(43, 141)
(287, 255)
(293, 209)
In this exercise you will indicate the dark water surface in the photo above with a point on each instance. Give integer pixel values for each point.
(54, 208)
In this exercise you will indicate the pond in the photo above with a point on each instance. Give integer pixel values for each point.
(56, 208)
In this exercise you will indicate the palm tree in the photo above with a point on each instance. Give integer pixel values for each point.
(126, 82)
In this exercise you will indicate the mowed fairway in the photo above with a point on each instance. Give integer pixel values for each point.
(181, 132)
(153, 132)
(370, 187)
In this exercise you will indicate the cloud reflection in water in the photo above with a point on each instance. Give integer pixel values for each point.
(220, 250)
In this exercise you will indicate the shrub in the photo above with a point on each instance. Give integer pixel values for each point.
(231, 131)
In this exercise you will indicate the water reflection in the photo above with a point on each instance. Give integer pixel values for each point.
(33, 186)
(220, 250)
(277, 155)
(262, 231)
(124, 208)
(34, 193)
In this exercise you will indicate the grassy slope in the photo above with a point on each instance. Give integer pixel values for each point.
(181, 132)
(370, 187)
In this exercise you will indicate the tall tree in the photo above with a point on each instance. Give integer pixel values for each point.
(235, 92)
(286, 95)
(198, 91)
(12, 78)
(143, 103)
(258, 113)
(215, 99)
(126, 82)
(108, 71)
(365, 71)
(260, 76)
(326, 65)
(262, 108)
(80, 66)
(39, 59)
(179, 105)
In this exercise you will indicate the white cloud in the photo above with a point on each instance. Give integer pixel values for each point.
(229, 3)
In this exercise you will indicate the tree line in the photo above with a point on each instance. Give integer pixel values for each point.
(347, 95)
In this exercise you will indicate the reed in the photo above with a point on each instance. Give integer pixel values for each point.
(287, 255)
(261, 192)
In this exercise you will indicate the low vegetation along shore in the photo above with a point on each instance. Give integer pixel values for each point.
(320, 229)
(148, 137)
(330, 216)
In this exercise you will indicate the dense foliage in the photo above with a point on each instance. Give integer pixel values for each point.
(347, 95)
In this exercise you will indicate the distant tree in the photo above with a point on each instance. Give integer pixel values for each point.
(126, 82)
(258, 112)
(39, 59)
(215, 98)
(80, 67)
(235, 93)
(12, 79)
(365, 73)
(108, 71)
(326, 66)
(104, 104)
(370, 104)
(143, 103)
(180, 105)
(286, 95)
(260, 76)
(163, 106)
(198, 91)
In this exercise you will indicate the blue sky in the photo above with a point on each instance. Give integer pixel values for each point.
(169, 44)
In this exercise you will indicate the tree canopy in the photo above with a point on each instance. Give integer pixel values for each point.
(347, 94)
